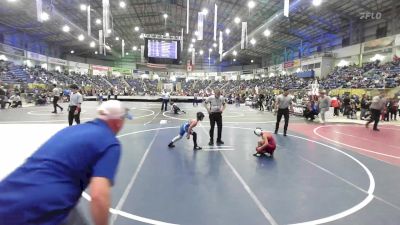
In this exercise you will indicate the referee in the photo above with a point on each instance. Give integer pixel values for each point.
(75, 102)
(283, 101)
(215, 105)
(56, 97)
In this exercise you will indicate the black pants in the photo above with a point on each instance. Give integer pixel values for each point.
(393, 113)
(285, 113)
(215, 118)
(336, 111)
(72, 116)
(164, 104)
(194, 134)
(260, 103)
(16, 104)
(195, 102)
(55, 103)
(375, 114)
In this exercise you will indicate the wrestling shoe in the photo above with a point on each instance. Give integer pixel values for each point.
(197, 148)
(220, 142)
(171, 145)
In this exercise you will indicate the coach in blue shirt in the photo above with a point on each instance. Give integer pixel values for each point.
(49, 184)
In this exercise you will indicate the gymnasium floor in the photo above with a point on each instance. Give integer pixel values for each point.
(332, 174)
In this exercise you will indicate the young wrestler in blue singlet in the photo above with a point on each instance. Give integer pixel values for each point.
(187, 127)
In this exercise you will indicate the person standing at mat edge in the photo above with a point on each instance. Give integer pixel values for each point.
(165, 100)
(324, 102)
(282, 104)
(215, 109)
(56, 97)
(377, 106)
(46, 188)
(75, 102)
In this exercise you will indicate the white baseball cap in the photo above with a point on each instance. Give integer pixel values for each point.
(113, 109)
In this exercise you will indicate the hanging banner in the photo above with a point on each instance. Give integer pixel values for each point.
(11, 50)
(215, 22)
(123, 48)
(61, 62)
(182, 40)
(200, 26)
(193, 56)
(187, 16)
(243, 42)
(101, 46)
(220, 50)
(39, 10)
(121, 71)
(286, 8)
(106, 17)
(89, 30)
(142, 54)
(36, 56)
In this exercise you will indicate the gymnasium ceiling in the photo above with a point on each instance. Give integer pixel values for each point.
(305, 23)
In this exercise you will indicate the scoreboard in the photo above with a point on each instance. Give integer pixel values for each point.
(166, 49)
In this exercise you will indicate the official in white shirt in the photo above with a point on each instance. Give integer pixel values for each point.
(215, 105)
(165, 100)
(56, 97)
(75, 103)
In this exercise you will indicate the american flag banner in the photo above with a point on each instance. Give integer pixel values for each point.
(157, 66)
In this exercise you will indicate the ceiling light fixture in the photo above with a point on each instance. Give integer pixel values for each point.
(134, 48)
(45, 16)
(204, 11)
(227, 31)
(165, 16)
(66, 28)
(83, 7)
(98, 21)
(253, 41)
(267, 33)
(92, 44)
(72, 51)
(234, 53)
(136, 28)
(251, 4)
(117, 38)
(122, 4)
(237, 20)
(316, 2)
(81, 37)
